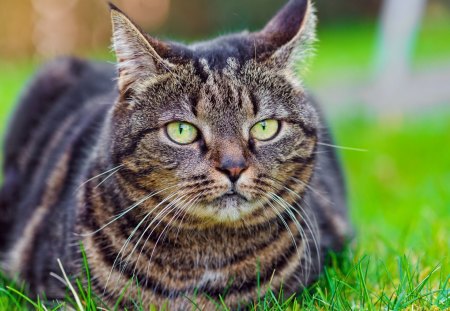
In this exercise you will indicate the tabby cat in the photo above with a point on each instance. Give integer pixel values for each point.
(193, 171)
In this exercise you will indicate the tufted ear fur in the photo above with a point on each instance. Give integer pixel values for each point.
(138, 55)
(289, 35)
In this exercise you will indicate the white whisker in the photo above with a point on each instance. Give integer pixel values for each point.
(100, 175)
(127, 210)
(289, 208)
(134, 230)
(165, 228)
(283, 221)
(159, 216)
(343, 147)
(106, 178)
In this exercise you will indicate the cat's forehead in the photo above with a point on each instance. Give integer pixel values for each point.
(236, 90)
(225, 95)
(235, 84)
(223, 88)
(218, 52)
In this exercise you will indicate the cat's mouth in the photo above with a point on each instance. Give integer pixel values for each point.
(232, 199)
(233, 194)
(226, 207)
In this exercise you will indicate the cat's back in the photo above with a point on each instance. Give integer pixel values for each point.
(49, 131)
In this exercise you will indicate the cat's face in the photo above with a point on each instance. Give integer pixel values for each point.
(220, 126)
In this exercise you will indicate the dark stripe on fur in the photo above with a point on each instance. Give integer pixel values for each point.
(154, 285)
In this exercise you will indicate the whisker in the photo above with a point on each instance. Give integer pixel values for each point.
(99, 175)
(282, 220)
(184, 208)
(106, 178)
(185, 212)
(317, 192)
(288, 207)
(163, 213)
(124, 262)
(300, 230)
(306, 215)
(192, 199)
(133, 233)
(343, 147)
(171, 207)
(127, 210)
(312, 226)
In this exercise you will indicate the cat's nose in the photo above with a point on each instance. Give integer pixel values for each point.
(232, 167)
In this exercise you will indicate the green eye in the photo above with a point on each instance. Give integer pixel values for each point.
(182, 133)
(265, 130)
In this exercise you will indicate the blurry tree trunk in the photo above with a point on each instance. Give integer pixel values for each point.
(15, 29)
(400, 21)
(55, 28)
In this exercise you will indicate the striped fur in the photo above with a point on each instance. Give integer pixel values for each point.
(88, 161)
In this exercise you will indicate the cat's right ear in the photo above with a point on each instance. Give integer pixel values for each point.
(288, 36)
(138, 55)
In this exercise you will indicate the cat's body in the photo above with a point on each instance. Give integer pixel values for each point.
(191, 234)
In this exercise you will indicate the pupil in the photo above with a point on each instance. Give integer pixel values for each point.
(263, 125)
(181, 128)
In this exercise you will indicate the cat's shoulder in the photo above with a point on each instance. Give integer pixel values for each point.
(68, 70)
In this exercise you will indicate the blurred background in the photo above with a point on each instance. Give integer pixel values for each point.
(381, 74)
(380, 54)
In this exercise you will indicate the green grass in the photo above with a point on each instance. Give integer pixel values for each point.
(399, 191)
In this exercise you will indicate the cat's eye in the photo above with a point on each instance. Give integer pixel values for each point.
(265, 130)
(182, 133)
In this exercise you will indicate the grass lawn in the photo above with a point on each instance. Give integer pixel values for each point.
(399, 192)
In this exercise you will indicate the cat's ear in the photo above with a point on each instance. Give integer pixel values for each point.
(138, 55)
(288, 37)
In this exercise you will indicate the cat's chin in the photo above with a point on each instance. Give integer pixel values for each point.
(229, 208)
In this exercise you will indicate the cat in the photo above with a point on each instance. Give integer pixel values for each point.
(186, 171)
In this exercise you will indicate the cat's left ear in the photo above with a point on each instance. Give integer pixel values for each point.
(288, 37)
(139, 56)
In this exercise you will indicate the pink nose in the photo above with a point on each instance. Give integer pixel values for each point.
(233, 168)
(234, 173)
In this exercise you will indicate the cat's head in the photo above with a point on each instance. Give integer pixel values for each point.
(224, 126)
